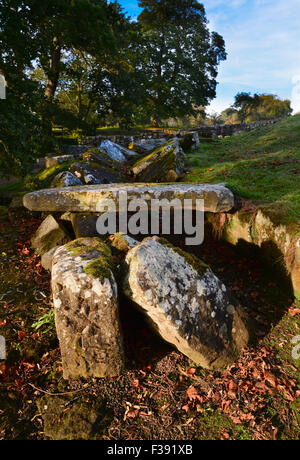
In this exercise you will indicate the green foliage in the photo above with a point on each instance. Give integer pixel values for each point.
(23, 135)
(261, 165)
(45, 322)
(179, 57)
(260, 107)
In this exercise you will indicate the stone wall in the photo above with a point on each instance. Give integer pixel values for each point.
(232, 130)
(203, 131)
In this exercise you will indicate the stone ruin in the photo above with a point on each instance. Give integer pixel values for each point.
(181, 297)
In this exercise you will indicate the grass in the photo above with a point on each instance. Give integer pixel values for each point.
(262, 165)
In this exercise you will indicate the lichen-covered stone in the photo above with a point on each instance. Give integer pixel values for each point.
(94, 157)
(69, 418)
(147, 146)
(86, 310)
(92, 174)
(58, 160)
(155, 167)
(186, 303)
(49, 235)
(115, 151)
(65, 179)
(217, 197)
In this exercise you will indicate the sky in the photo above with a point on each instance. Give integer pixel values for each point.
(263, 45)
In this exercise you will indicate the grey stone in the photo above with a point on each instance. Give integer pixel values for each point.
(156, 166)
(85, 300)
(147, 146)
(116, 152)
(186, 303)
(49, 235)
(84, 225)
(58, 160)
(65, 179)
(92, 175)
(47, 258)
(217, 198)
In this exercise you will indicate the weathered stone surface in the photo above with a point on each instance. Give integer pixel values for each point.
(156, 166)
(147, 146)
(73, 149)
(116, 152)
(93, 174)
(217, 198)
(47, 258)
(187, 304)
(189, 141)
(84, 225)
(86, 310)
(66, 418)
(65, 179)
(55, 161)
(94, 157)
(49, 235)
(263, 227)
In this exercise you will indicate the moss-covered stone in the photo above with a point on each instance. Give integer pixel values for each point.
(86, 418)
(156, 166)
(83, 246)
(85, 298)
(100, 268)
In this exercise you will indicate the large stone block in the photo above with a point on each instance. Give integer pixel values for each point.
(49, 235)
(186, 303)
(156, 166)
(86, 310)
(217, 197)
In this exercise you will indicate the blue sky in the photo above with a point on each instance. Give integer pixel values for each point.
(263, 45)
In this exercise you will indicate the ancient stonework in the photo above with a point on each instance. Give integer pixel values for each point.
(217, 197)
(115, 151)
(86, 310)
(92, 174)
(279, 243)
(49, 235)
(156, 166)
(66, 179)
(186, 303)
(147, 146)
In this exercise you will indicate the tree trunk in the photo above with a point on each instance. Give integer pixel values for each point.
(53, 76)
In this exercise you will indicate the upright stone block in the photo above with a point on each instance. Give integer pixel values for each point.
(86, 310)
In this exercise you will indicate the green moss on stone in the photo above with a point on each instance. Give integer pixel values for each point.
(85, 245)
(119, 242)
(101, 268)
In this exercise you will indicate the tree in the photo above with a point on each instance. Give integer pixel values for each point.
(178, 57)
(261, 107)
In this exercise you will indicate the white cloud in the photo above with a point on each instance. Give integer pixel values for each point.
(262, 40)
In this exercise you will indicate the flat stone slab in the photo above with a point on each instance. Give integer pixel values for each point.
(217, 197)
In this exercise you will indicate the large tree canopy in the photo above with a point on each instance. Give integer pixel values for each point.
(179, 57)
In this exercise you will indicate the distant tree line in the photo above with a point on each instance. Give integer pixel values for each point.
(259, 107)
